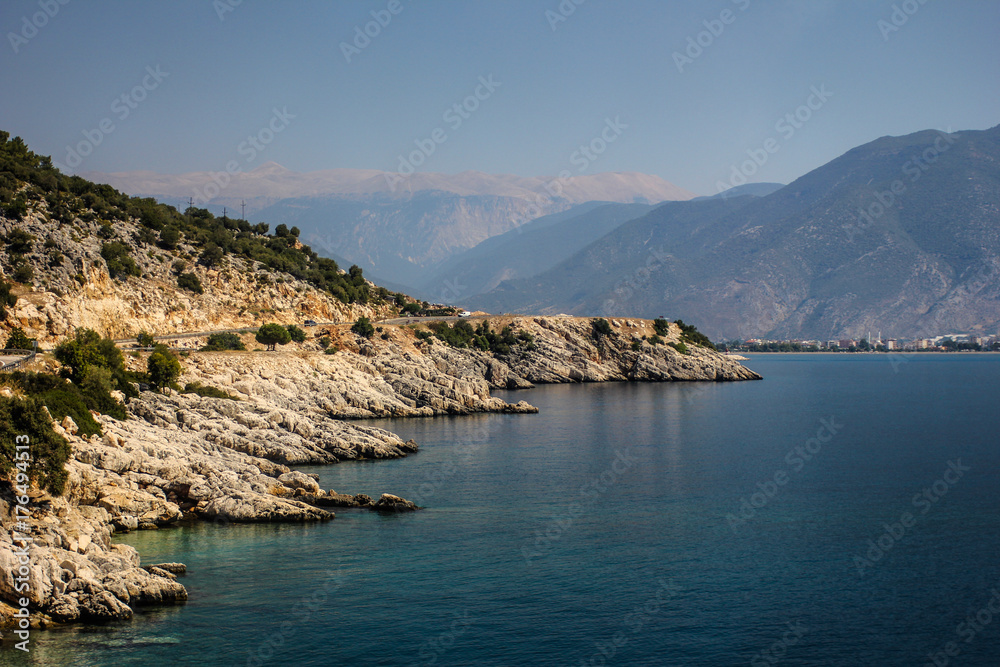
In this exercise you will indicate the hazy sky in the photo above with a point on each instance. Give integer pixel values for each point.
(201, 77)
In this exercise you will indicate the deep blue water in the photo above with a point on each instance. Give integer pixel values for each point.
(596, 532)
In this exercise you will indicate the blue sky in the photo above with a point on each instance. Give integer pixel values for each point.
(226, 66)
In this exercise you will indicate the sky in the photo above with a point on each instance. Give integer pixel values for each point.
(704, 94)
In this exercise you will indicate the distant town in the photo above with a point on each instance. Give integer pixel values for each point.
(943, 343)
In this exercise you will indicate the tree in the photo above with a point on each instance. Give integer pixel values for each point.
(281, 231)
(87, 349)
(79, 353)
(18, 340)
(163, 367)
(297, 334)
(363, 327)
(273, 334)
(145, 339)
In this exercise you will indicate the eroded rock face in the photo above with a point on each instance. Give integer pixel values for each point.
(74, 570)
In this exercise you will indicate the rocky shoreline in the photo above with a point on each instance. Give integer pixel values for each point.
(184, 456)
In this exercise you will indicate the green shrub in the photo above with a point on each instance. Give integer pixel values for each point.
(24, 273)
(163, 367)
(210, 392)
(190, 282)
(661, 326)
(680, 347)
(324, 342)
(120, 263)
(18, 242)
(297, 334)
(692, 335)
(363, 327)
(601, 327)
(145, 339)
(223, 341)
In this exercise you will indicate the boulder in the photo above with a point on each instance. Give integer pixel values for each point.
(391, 503)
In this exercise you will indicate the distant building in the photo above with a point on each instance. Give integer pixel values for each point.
(832, 344)
(846, 342)
(890, 344)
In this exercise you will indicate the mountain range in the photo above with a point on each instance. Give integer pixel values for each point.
(396, 228)
(899, 235)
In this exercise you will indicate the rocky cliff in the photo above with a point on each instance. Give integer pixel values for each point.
(73, 288)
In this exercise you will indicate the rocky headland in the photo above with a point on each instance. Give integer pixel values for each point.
(188, 457)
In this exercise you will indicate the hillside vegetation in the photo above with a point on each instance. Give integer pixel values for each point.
(76, 253)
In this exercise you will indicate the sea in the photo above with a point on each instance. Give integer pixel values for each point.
(845, 510)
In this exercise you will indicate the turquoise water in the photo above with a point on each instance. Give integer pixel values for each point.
(596, 532)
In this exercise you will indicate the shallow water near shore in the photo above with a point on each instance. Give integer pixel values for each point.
(596, 532)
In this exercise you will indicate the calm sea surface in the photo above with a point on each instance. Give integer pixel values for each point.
(844, 511)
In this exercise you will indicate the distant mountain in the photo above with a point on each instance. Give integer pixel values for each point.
(527, 250)
(755, 189)
(396, 227)
(900, 235)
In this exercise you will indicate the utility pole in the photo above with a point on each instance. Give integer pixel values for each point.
(190, 202)
(243, 204)
(224, 211)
